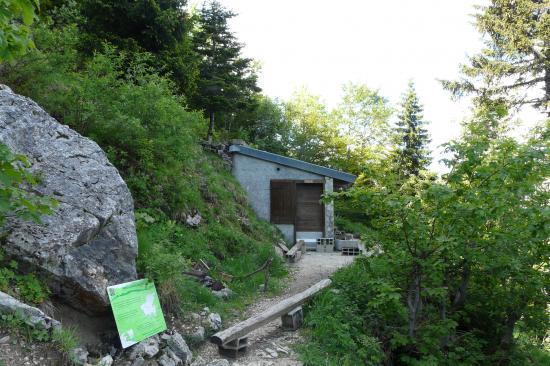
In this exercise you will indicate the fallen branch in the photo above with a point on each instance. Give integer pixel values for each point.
(267, 264)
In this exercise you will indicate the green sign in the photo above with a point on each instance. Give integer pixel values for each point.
(137, 311)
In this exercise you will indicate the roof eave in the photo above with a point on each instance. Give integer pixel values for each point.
(293, 163)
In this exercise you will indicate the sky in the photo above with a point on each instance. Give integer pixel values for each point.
(321, 45)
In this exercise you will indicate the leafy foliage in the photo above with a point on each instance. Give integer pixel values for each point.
(364, 115)
(132, 113)
(160, 27)
(335, 314)
(16, 17)
(26, 287)
(315, 135)
(264, 126)
(135, 115)
(464, 263)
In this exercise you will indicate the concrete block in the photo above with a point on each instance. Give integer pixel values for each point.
(294, 319)
(235, 348)
(351, 243)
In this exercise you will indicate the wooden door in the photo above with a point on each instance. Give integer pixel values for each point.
(309, 210)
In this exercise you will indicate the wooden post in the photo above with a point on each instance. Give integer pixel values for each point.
(241, 329)
(292, 252)
(266, 274)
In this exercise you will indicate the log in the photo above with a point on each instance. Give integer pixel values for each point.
(263, 267)
(241, 329)
(283, 247)
(292, 252)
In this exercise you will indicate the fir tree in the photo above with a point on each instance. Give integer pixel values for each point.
(514, 67)
(227, 81)
(411, 154)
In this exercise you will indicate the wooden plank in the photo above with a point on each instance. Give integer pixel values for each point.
(309, 209)
(241, 329)
(282, 204)
(295, 248)
(283, 247)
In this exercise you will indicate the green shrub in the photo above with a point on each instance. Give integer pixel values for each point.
(25, 287)
(135, 115)
(335, 328)
(122, 104)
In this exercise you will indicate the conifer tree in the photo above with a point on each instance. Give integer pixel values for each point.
(411, 154)
(227, 80)
(514, 66)
(160, 27)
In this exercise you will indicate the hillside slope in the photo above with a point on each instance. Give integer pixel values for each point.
(151, 137)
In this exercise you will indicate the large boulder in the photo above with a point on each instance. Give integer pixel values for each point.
(90, 241)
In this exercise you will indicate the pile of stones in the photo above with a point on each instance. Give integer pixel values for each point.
(166, 349)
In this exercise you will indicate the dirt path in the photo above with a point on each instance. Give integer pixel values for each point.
(270, 345)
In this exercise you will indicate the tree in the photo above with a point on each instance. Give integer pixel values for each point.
(264, 126)
(161, 27)
(16, 17)
(315, 134)
(411, 155)
(227, 80)
(465, 259)
(364, 115)
(514, 66)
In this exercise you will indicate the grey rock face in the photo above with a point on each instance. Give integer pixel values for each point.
(79, 356)
(165, 360)
(32, 316)
(147, 348)
(173, 356)
(199, 334)
(138, 361)
(193, 220)
(90, 241)
(177, 344)
(219, 362)
(224, 293)
(215, 321)
(106, 361)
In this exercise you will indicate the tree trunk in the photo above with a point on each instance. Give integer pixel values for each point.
(210, 127)
(547, 91)
(460, 296)
(508, 336)
(414, 301)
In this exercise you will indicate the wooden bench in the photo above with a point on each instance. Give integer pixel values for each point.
(295, 253)
(234, 340)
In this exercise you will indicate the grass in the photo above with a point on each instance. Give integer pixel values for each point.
(63, 340)
(230, 238)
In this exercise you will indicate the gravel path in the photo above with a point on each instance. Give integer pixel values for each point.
(270, 345)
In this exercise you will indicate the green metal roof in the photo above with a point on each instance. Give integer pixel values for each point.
(293, 163)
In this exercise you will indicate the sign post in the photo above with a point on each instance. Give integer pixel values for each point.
(137, 311)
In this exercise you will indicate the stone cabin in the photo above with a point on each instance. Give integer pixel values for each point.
(287, 192)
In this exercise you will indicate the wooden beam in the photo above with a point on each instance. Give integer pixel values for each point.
(292, 252)
(283, 247)
(243, 328)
